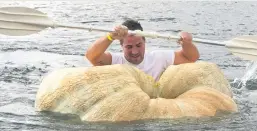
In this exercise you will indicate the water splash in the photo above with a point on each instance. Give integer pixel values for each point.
(251, 72)
(245, 90)
(249, 80)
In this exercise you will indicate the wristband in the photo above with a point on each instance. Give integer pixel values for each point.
(109, 37)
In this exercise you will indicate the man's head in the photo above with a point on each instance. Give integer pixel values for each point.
(133, 46)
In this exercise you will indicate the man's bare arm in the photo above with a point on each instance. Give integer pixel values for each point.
(189, 53)
(96, 53)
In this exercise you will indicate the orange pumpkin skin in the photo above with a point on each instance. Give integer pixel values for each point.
(124, 93)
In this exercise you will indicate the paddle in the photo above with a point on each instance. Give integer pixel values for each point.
(18, 21)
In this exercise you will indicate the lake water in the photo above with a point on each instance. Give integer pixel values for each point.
(25, 60)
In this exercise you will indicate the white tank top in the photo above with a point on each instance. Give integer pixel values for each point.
(154, 63)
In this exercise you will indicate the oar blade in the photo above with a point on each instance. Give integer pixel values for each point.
(18, 21)
(18, 29)
(244, 47)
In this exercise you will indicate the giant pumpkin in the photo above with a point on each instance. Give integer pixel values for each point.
(124, 93)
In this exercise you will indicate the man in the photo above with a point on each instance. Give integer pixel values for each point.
(152, 63)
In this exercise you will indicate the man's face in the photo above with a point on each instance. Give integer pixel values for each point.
(134, 49)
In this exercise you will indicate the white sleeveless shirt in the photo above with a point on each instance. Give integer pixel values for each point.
(154, 63)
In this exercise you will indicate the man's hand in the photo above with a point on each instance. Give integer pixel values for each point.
(185, 38)
(189, 53)
(119, 32)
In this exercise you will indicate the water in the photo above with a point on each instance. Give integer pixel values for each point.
(25, 60)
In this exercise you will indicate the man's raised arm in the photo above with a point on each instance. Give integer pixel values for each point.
(97, 54)
(189, 53)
